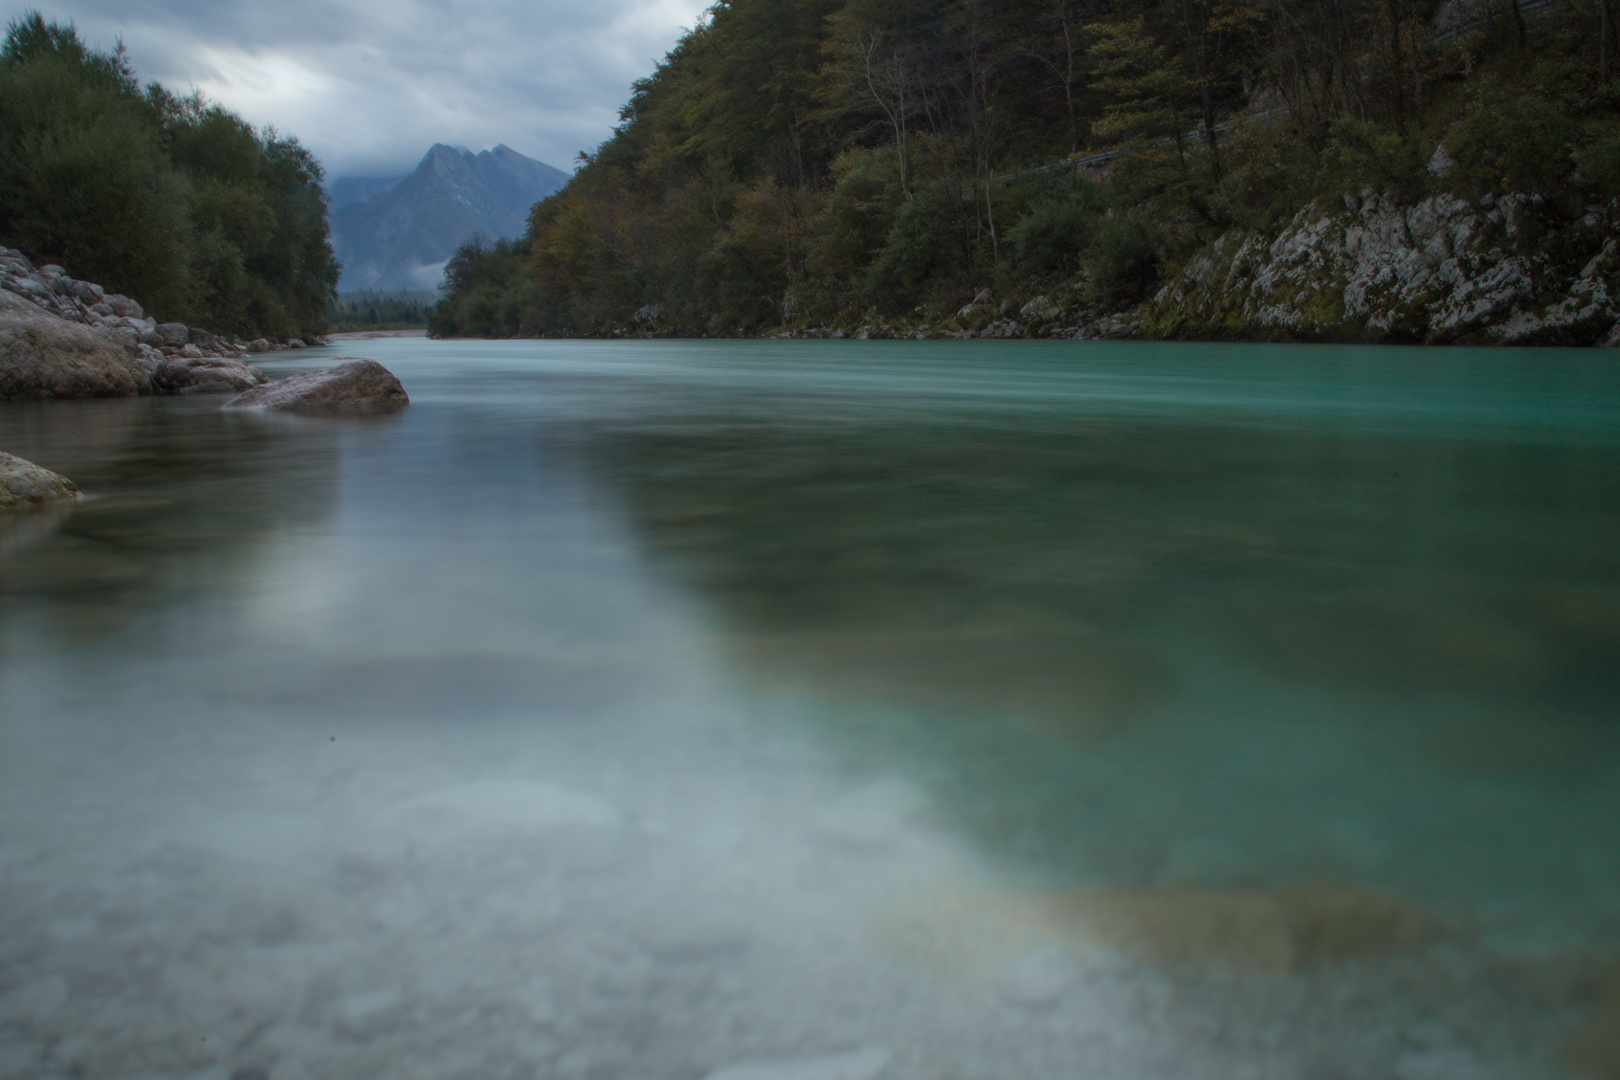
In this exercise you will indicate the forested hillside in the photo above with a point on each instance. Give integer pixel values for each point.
(815, 163)
(171, 200)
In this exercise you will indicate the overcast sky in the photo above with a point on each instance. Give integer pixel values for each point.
(369, 85)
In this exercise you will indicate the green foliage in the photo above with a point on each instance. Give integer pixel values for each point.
(484, 287)
(367, 310)
(921, 244)
(1513, 141)
(1600, 167)
(1050, 238)
(1123, 262)
(1365, 154)
(827, 162)
(173, 201)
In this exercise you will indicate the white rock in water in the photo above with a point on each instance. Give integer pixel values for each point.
(860, 1065)
(1042, 977)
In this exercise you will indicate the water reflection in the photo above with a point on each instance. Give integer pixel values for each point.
(1187, 654)
(657, 711)
(166, 502)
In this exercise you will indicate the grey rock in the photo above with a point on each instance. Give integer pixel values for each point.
(205, 375)
(173, 334)
(980, 299)
(1109, 328)
(296, 343)
(123, 305)
(122, 336)
(1003, 328)
(1040, 309)
(10, 257)
(42, 356)
(355, 386)
(259, 345)
(1440, 270)
(34, 290)
(26, 486)
(148, 359)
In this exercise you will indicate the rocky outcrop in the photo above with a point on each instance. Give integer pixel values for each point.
(1440, 271)
(355, 386)
(191, 360)
(205, 375)
(52, 290)
(26, 486)
(45, 356)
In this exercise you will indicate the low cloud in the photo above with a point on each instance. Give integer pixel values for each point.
(369, 85)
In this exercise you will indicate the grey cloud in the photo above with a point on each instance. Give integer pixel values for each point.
(368, 85)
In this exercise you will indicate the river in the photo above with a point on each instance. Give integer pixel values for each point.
(824, 711)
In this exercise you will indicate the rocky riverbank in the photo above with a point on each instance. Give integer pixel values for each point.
(165, 352)
(1441, 270)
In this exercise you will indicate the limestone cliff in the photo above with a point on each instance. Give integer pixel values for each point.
(1441, 270)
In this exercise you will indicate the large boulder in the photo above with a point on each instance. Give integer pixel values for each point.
(205, 375)
(25, 486)
(44, 356)
(355, 386)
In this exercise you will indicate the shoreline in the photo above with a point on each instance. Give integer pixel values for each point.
(372, 335)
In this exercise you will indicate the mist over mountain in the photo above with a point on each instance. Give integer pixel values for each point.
(399, 234)
(348, 190)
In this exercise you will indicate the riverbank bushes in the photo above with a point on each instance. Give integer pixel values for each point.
(171, 200)
(812, 163)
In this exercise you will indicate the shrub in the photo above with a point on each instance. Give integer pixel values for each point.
(1511, 141)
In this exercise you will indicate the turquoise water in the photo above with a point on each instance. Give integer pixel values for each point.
(824, 709)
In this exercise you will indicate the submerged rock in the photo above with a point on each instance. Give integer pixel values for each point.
(45, 356)
(356, 386)
(1595, 1051)
(1250, 931)
(25, 486)
(205, 375)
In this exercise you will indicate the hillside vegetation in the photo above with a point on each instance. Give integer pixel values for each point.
(841, 163)
(171, 200)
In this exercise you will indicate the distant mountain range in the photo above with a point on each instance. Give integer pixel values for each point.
(397, 232)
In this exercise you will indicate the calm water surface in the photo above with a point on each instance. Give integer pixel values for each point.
(824, 711)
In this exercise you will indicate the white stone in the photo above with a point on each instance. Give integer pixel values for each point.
(1042, 977)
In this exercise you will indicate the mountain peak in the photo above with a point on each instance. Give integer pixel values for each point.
(401, 238)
